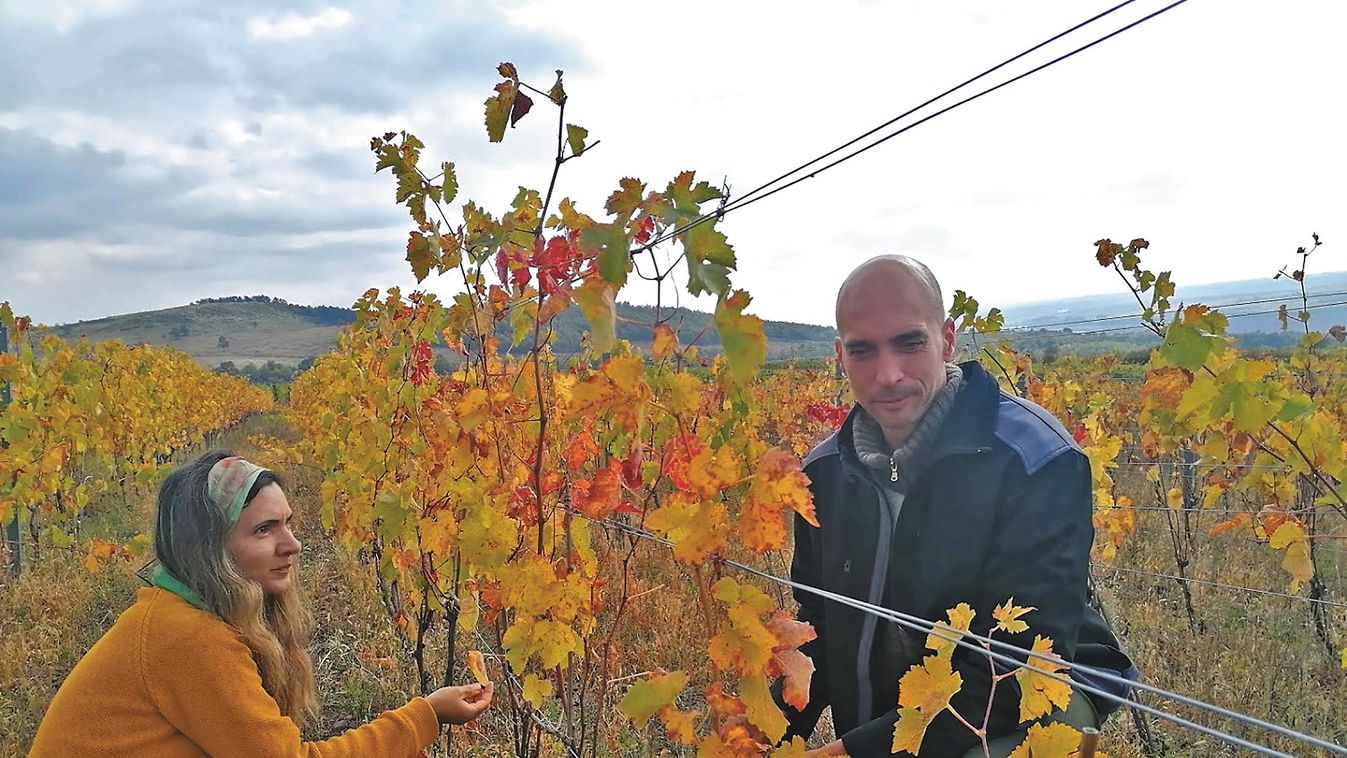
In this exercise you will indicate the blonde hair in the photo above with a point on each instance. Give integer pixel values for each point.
(191, 538)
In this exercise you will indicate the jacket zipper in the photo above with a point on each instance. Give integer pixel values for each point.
(863, 683)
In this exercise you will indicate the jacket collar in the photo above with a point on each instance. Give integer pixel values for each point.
(970, 425)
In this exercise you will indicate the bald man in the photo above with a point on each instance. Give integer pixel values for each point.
(939, 489)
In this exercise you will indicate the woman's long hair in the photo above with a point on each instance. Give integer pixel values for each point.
(191, 536)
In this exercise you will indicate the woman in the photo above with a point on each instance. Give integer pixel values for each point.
(211, 660)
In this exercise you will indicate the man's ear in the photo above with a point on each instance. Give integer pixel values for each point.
(950, 339)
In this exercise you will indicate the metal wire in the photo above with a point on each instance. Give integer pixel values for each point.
(1121, 316)
(1328, 603)
(743, 203)
(1136, 327)
(948, 633)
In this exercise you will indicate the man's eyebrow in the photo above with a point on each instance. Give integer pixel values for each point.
(908, 336)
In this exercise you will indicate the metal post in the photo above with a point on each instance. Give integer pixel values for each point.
(12, 533)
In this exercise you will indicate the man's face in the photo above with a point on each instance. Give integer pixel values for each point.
(893, 348)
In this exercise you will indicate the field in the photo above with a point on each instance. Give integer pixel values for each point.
(1256, 654)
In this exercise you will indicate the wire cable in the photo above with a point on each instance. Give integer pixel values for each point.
(1121, 316)
(1251, 590)
(937, 628)
(733, 206)
(916, 108)
(1131, 328)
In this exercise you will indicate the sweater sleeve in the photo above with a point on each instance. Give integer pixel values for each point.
(203, 679)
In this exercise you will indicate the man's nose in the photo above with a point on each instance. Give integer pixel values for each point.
(889, 369)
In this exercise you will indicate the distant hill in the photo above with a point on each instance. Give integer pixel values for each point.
(1088, 324)
(1324, 289)
(256, 329)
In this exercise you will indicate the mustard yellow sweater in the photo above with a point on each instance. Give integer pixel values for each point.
(171, 681)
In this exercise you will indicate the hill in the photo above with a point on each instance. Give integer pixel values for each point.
(256, 329)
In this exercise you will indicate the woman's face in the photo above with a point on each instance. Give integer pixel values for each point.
(262, 545)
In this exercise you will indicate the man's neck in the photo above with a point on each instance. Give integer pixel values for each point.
(897, 437)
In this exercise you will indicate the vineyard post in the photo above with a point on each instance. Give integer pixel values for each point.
(12, 529)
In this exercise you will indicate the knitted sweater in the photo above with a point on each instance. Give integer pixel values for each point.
(171, 681)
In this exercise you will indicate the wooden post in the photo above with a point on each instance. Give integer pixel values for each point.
(12, 533)
(1089, 742)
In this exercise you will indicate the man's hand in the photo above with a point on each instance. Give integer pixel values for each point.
(461, 704)
(832, 748)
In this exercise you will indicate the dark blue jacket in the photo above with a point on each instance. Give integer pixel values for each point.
(998, 507)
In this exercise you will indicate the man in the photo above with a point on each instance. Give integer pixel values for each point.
(938, 489)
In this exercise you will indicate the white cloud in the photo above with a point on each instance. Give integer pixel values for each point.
(294, 26)
(62, 15)
(1212, 130)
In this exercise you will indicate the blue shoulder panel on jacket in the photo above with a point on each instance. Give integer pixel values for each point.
(1033, 433)
(822, 450)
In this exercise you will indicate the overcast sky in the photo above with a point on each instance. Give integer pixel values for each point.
(152, 153)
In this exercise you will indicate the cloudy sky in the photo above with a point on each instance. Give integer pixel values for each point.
(152, 153)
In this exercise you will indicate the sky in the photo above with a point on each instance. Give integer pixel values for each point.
(154, 153)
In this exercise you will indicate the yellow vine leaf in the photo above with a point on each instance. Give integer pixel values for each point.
(741, 335)
(1040, 694)
(909, 731)
(1237, 521)
(552, 641)
(1008, 615)
(1298, 564)
(1290, 536)
(960, 617)
(664, 342)
(477, 665)
(697, 528)
(778, 485)
(796, 748)
(487, 537)
(1051, 741)
(1211, 496)
(762, 710)
(1174, 498)
(681, 726)
(711, 470)
(929, 686)
(1287, 534)
(597, 300)
(648, 696)
(746, 645)
(685, 394)
(100, 552)
(795, 668)
(923, 692)
(537, 690)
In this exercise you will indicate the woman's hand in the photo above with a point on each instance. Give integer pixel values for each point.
(460, 704)
(832, 748)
